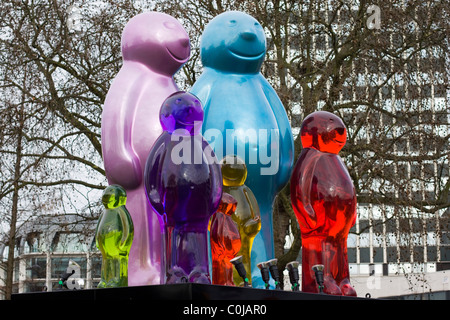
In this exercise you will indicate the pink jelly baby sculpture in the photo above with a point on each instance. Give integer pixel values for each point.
(225, 241)
(183, 182)
(324, 200)
(154, 47)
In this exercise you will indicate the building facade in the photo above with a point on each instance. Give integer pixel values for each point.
(45, 248)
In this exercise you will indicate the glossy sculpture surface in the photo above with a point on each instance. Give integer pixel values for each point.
(324, 200)
(246, 215)
(184, 185)
(225, 241)
(154, 46)
(113, 237)
(244, 115)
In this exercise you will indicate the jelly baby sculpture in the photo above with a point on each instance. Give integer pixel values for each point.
(225, 241)
(246, 215)
(184, 185)
(154, 47)
(324, 200)
(113, 237)
(243, 115)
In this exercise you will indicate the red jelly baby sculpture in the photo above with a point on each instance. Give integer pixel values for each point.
(324, 200)
(225, 241)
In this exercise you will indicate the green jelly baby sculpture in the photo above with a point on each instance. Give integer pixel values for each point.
(114, 236)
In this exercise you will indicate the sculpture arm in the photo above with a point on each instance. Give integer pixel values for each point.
(286, 145)
(127, 228)
(152, 173)
(253, 225)
(216, 176)
(302, 190)
(96, 230)
(121, 162)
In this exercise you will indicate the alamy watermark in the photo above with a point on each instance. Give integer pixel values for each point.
(374, 20)
(236, 141)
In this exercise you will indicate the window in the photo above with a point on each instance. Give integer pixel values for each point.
(36, 268)
(59, 266)
(68, 242)
(33, 242)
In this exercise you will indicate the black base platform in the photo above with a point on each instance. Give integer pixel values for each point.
(185, 291)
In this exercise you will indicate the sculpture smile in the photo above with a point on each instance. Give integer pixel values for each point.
(247, 57)
(175, 57)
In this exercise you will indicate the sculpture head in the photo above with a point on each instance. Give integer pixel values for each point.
(182, 110)
(227, 204)
(234, 171)
(114, 196)
(323, 131)
(156, 40)
(233, 42)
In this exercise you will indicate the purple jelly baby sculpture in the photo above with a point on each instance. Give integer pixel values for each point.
(154, 47)
(183, 181)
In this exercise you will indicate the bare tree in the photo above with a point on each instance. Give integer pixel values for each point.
(388, 81)
(331, 56)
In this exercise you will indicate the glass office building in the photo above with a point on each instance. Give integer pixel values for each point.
(46, 245)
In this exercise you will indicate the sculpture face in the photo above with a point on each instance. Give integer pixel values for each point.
(157, 40)
(234, 171)
(114, 196)
(323, 131)
(234, 42)
(182, 111)
(227, 205)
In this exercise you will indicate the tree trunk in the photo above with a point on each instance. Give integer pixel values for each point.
(15, 204)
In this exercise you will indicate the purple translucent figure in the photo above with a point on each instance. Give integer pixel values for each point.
(183, 181)
(154, 47)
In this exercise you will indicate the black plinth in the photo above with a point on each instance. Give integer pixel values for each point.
(182, 292)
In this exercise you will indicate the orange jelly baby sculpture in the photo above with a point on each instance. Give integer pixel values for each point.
(225, 241)
(324, 200)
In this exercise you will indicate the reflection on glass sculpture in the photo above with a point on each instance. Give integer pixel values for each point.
(114, 236)
(225, 241)
(324, 201)
(246, 216)
(244, 113)
(184, 185)
(154, 47)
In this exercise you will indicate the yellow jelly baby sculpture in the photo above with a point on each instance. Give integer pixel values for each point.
(246, 216)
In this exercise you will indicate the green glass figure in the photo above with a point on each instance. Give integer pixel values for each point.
(114, 236)
(246, 215)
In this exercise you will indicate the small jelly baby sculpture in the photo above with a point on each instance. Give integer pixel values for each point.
(113, 237)
(247, 215)
(225, 241)
(154, 47)
(244, 113)
(324, 200)
(184, 185)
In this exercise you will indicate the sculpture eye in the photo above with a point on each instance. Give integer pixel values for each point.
(169, 25)
(232, 23)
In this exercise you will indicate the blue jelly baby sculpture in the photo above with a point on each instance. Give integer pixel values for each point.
(114, 237)
(244, 116)
(183, 183)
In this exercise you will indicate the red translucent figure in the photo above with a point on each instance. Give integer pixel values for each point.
(225, 241)
(324, 201)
